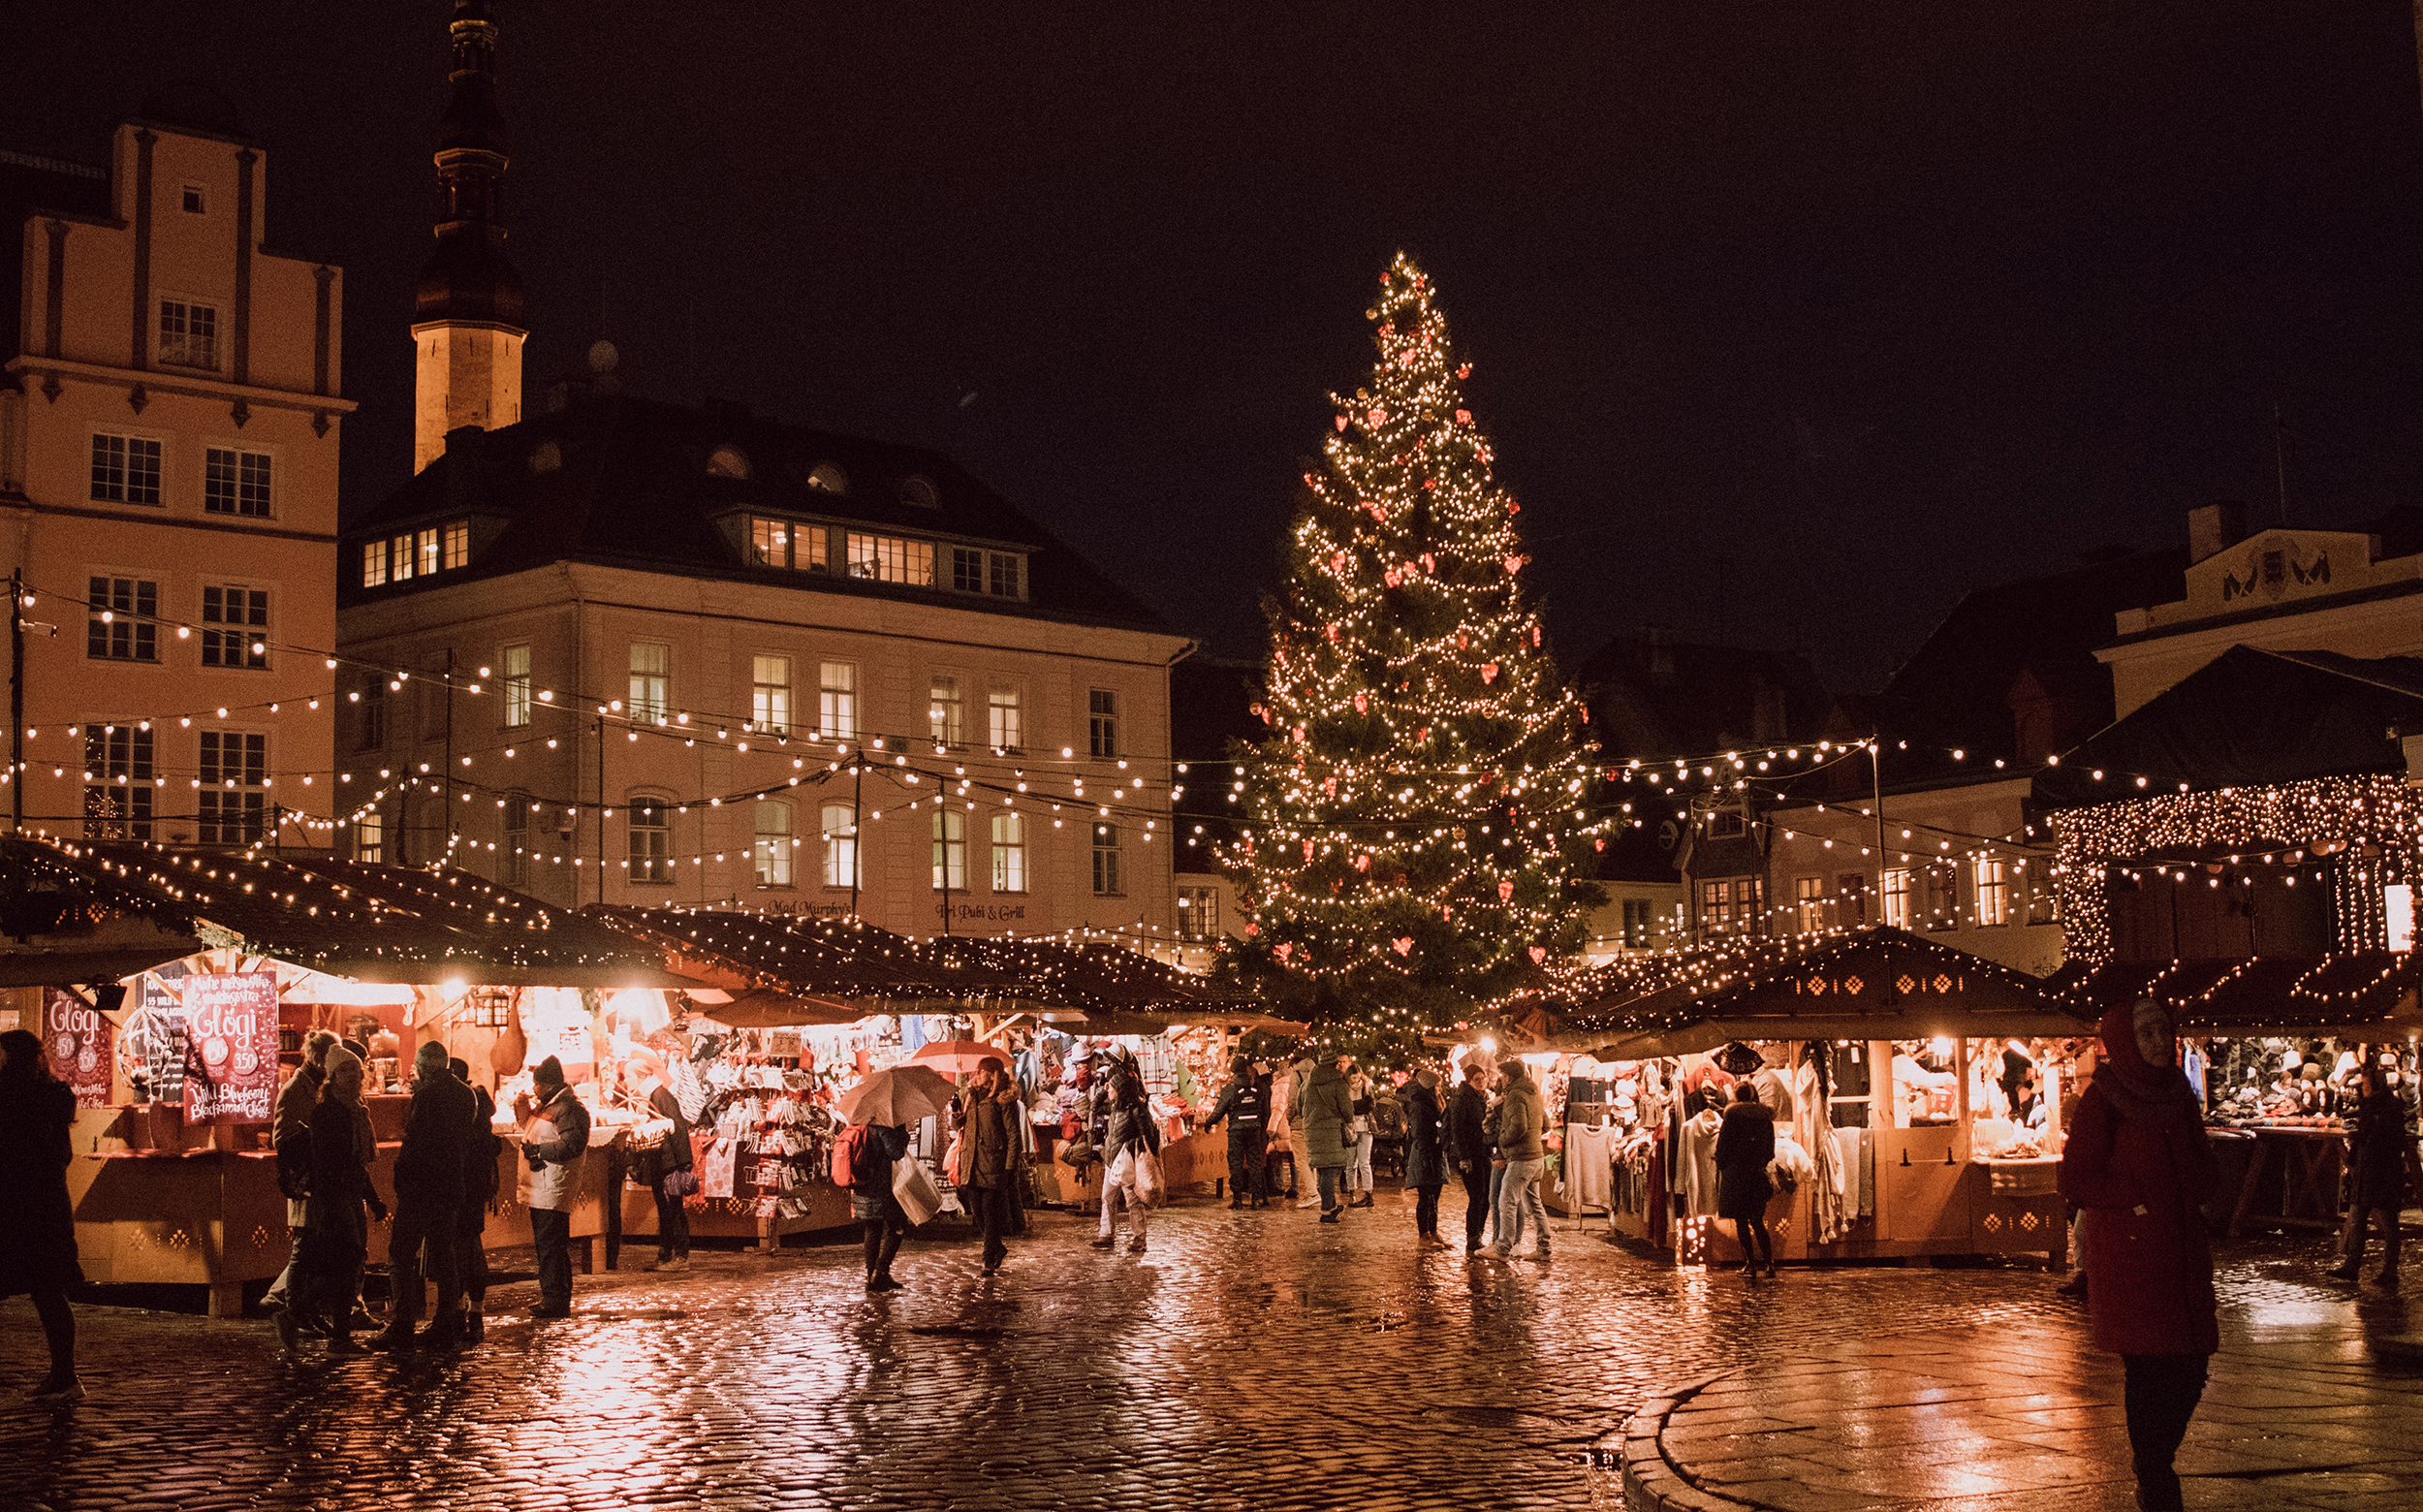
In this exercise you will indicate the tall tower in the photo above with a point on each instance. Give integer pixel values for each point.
(466, 328)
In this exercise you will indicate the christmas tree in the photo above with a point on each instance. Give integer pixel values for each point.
(1420, 821)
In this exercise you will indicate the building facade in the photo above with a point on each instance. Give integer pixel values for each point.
(169, 478)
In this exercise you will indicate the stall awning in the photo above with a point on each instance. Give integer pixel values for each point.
(344, 918)
(2367, 995)
(1876, 982)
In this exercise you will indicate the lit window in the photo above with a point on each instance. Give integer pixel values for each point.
(235, 787)
(1009, 853)
(400, 556)
(1199, 913)
(1102, 724)
(1006, 726)
(235, 627)
(1897, 902)
(652, 683)
(783, 543)
(892, 559)
(946, 711)
(235, 483)
(650, 841)
(836, 701)
(189, 333)
(515, 685)
(950, 828)
(769, 697)
(125, 470)
(514, 842)
(374, 564)
(840, 827)
(124, 623)
(1106, 861)
(1943, 895)
(458, 544)
(1809, 904)
(1005, 576)
(1733, 905)
(427, 544)
(774, 844)
(117, 782)
(1994, 890)
(370, 837)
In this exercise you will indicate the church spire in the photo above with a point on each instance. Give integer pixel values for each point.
(467, 329)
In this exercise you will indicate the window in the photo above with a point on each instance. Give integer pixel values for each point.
(1199, 913)
(1897, 901)
(1106, 861)
(513, 863)
(1733, 905)
(950, 828)
(189, 333)
(892, 559)
(1005, 576)
(234, 786)
(782, 543)
(1009, 853)
(2036, 880)
(238, 483)
(372, 702)
(515, 685)
(458, 544)
(1942, 882)
(652, 683)
(1640, 923)
(125, 470)
(1850, 893)
(1726, 824)
(826, 478)
(370, 837)
(774, 844)
(374, 564)
(193, 200)
(1102, 723)
(1006, 726)
(1809, 904)
(839, 828)
(946, 711)
(235, 626)
(920, 491)
(123, 626)
(769, 697)
(1994, 890)
(836, 701)
(400, 557)
(117, 782)
(967, 569)
(425, 549)
(651, 842)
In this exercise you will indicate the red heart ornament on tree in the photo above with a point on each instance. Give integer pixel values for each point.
(1538, 954)
(1505, 891)
(1282, 951)
(1403, 944)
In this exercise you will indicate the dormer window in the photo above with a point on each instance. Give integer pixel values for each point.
(786, 543)
(826, 478)
(415, 554)
(920, 492)
(727, 462)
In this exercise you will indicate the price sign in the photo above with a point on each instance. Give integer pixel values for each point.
(82, 1044)
(230, 1068)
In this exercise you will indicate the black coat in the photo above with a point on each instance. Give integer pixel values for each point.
(1745, 1144)
(437, 1131)
(1467, 1127)
(2382, 1135)
(480, 1151)
(1426, 1163)
(38, 1241)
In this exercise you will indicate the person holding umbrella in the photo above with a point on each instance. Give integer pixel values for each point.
(991, 1159)
(886, 1103)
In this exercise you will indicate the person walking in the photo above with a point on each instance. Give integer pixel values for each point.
(480, 1181)
(1299, 1128)
(1358, 1139)
(1745, 1143)
(1425, 1165)
(429, 1204)
(1328, 1111)
(672, 1157)
(990, 1161)
(38, 1257)
(2137, 1159)
(327, 1260)
(2380, 1141)
(882, 1221)
(1124, 1137)
(1522, 1144)
(290, 1135)
(554, 1135)
(1244, 1105)
(1468, 1148)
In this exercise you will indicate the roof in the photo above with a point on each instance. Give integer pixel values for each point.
(2366, 995)
(2249, 717)
(627, 486)
(1652, 697)
(30, 185)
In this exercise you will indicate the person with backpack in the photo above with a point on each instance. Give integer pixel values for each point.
(480, 1183)
(1245, 1103)
(863, 1157)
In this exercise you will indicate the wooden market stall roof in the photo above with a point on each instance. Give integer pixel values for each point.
(1875, 983)
(2366, 995)
(344, 918)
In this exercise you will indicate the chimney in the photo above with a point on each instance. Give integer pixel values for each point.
(2214, 528)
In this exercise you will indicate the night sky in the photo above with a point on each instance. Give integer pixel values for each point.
(1791, 322)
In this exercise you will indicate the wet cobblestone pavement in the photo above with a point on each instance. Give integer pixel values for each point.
(1246, 1361)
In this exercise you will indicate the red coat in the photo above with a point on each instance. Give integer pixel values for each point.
(2138, 1159)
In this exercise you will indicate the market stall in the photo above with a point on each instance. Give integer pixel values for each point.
(1883, 1056)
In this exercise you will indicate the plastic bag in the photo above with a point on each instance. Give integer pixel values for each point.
(1151, 1187)
(916, 1192)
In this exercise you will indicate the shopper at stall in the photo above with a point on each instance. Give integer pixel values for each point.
(554, 1135)
(1360, 1135)
(429, 1204)
(1243, 1104)
(666, 1183)
(328, 1260)
(991, 1161)
(1523, 1145)
(2380, 1142)
(1469, 1149)
(882, 1221)
(1299, 1130)
(1425, 1164)
(290, 1135)
(2138, 1160)
(38, 1241)
(1126, 1139)
(1328, 1111)
(1744, 1146)
(480, 1151)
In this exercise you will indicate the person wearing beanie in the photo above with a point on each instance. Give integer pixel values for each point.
(1521, 1144)
(1425, 1164)
(554, 1135)
(479, 1189)
(1468, 1146)
(327, 1269)
(1246, 1105)
(428, 1202)
(290, 1135)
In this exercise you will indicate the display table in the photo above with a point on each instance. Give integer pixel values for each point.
(2308, 1161)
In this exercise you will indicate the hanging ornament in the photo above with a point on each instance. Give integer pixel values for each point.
(1600, 843)
(1377, 512)
(1514, 563)
(1252, 930)
(1465, 371)
(1329, 787)
(1403, 944)
(1446, 911)
(1429, 563)
(1463, 642)
(1342, 423)
(1489, 673)
(1422, 733)
(1308, 850)
(1333, 634)
(1363, 703)
(1505, 891)
(1512, 508)
(1283, 949)
(1363, 863)
(1376, 417)
(1535, 635)
(1538, 954)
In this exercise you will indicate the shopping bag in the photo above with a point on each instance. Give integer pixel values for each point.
(916, 1192)
(1150, 1189)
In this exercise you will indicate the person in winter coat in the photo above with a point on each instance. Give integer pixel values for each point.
(882, 1221)
(1298, 1130)
(1468, 1148)
(2138, 1162)
(673, 1156)
(1126, 1137)
(428, 1202)
(991, 1161)
(1360, 1137)
(1745, 1144)
(2382, 1143)
(290, 1135)
(37, 1243)
(328, 1262)
(554, 1135)
(1243, 1104)
(1425, 1164)
(1523, 1145)
(1328, 1109)
(480, 1151)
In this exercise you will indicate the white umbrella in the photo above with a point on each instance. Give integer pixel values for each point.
(903, 1094)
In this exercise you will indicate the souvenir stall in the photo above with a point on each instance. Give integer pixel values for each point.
(1857, 1042)
(177, 1061)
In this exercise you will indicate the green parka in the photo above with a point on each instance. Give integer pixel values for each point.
(1326, 1108)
